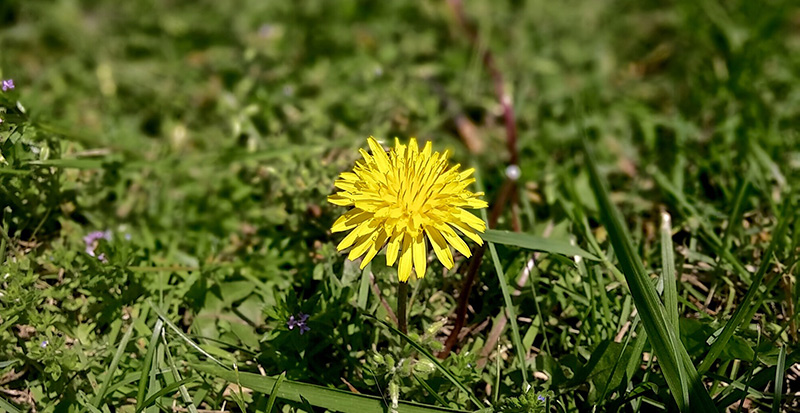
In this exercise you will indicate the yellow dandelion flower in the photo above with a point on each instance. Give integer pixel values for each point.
(400, 198)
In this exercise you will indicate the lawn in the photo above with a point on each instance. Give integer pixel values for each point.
(166, 237)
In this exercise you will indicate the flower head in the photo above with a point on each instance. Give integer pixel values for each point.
(299, 322)
(8, 84)
(402, 197)
(91, 240)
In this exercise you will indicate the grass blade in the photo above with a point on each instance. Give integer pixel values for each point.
(504, 288)
(84, 402)
(619, 358)
(9, 171)
(635, 361)
(325, 397)
(6, 406)
(430, 391)
(779, 373)
(273, 395)
(112, 368)
(163, 316)
(758, 380)
(147, 363)
(132, 378)
(536, 243)
(163, 392)
(707, 231)
(736, 212)
(447, 373)
(176, 377)
(668, 275)
(750, 371)
(739, 315)
(511, 313)
(678, 370)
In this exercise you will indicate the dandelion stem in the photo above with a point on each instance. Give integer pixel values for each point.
(402, 304)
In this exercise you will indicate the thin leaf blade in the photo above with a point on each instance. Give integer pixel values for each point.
(535, 243)
(328, 398)
(677, 368)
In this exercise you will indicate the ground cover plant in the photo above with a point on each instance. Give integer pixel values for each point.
(166, 236)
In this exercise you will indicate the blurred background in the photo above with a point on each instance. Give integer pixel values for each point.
(205, 136)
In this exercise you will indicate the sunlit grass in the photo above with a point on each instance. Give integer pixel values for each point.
(165, 169)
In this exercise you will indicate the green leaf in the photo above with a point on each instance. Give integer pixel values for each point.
(9, 171)
(328, 398)
(536, 243)
(273, 395)
(512, 314)
(430, 391)
(779, 375)
(176, 377)
(668, 272)
(97, 400)
(163, 392)
(10, 408)
(678, 370)
(147, 364)
(363, 289)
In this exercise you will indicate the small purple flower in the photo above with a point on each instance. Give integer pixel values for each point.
(44, 344)
(8, 84)
(299, 322)
(540, 397)
(96, 236)
(91, 240)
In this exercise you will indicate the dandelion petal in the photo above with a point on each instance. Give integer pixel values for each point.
(404, 268)
(420, 256)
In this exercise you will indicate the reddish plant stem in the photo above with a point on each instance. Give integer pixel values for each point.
(508, 190)
(472, 272)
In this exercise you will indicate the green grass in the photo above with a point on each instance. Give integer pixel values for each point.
(206, 136)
